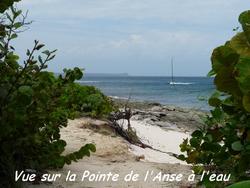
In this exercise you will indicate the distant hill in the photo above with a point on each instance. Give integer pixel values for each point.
(101, 74)
(105, 74)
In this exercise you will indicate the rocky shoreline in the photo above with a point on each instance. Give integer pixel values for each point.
(165, 116)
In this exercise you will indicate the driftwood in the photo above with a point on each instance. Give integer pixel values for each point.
(125, 133)
(118, 115)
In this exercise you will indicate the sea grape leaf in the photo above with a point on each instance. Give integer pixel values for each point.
(195, 142)
(211, 73)
(226, 82)
(243, 74)
(244, 19)
(207, 146)
(197, 134)
(192, 157)
(208, 138)
(223, 57)
(240, 44)
(215, 134)
(217, 114)
(237, 146)
(181, 157)
(213, 101)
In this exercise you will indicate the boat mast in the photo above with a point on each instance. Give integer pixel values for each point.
(172, 69)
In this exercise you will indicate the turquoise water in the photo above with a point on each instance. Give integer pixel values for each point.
(186, 92)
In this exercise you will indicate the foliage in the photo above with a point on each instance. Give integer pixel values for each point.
(35, 104)
(5, 4)
(223, 146)
(87, 100)
(243, 184)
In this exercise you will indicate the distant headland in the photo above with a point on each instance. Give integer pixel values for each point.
(105, 74)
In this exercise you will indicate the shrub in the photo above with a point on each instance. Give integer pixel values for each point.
(87, 100)
(223, 146)
(35, 104)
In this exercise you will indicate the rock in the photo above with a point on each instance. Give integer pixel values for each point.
(170, 108)
(165, 124)
(156, 109)
(154, 104)
(162, 115)
(140, 157)
(154, 119)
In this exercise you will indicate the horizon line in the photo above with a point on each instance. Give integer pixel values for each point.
(137, 75)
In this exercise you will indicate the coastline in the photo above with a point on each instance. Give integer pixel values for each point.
(160, 126)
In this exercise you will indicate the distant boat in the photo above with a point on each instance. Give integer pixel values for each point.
(172, 82)
(172, 72)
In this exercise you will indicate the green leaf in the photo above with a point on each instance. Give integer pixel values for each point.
(40, 59)
(181, 157)
(237, 146)
(197, 134)
(52, 57)
(242, 184)
(240, 44)
(215, 102)
(244, 19)
(18, 25)
(2, 31)
(195, 142)
(13, 36)
(39, 46)
(226, 82)
(26, 90)
(213, 147)
(217, 114)
(46, 52)
(28, 52)
(248, 147)
(243, 74)
(223, 57)
(25, 95)
(78, 73)
(17, 13)
(211, 73)
(5, 4)
(246, 102)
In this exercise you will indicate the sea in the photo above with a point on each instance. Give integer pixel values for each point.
(190, 92)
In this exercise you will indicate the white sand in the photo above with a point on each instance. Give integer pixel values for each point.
(158, 138)
(113, 155)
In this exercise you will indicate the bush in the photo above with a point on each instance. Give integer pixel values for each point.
(87, 100)
(223, 146)
(35, 104)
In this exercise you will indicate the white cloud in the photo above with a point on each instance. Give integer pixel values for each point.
(129, 32)
(192, 11)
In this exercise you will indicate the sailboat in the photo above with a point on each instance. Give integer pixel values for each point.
(172, 72)
(172, 82)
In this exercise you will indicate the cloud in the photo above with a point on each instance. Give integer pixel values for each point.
(113, 34)
(193, 11)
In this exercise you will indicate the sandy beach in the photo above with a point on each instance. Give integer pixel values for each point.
(161, 127)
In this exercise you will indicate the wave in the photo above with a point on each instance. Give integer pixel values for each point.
(116, 97)
(89, 81)
(180, 83)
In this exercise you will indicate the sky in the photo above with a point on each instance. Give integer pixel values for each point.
(137, 37)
